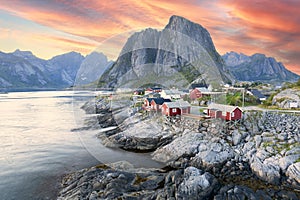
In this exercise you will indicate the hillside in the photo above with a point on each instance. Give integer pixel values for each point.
(258, 67)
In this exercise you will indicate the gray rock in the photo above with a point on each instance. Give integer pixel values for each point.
(266, 171)
(236, 137)
(196, 185)
(110, 183)
(293, 173)
(286, 161)
(146, 135)
(184, 145)
(240, 192)
(212, 155)
(258, 140)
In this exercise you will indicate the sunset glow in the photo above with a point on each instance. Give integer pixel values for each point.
(48, 28)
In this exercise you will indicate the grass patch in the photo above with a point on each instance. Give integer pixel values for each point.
(102, 166)
(138, 180)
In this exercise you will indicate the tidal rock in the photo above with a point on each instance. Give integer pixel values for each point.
(240, 192)
(104, 182)
(196, 184)
(212, 155)
(236, 137)
(266, 171)
(185, 145)
(293, 173)
(141, 136)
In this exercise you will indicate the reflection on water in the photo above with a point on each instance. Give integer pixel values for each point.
(37, 146)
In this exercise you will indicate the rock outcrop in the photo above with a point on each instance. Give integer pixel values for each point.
(284, 98)
(217, 160)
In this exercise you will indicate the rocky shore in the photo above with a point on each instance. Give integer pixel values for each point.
(255, 158)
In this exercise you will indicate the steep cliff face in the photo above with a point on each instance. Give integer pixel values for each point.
(176, 56)
(91, 68)
(257, 67)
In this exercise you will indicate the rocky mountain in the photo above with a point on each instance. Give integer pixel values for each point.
(182, 53)
(257, 67)
(92, 67)
(22, 69)
(63, 68)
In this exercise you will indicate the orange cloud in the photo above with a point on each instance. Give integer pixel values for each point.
(269, 27)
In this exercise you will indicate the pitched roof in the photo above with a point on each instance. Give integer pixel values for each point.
(173, 92)
(150, 99)
(178, 104)
(160, 101)
(195, 85)
(257, 94)
(203, 89)
(222, 107)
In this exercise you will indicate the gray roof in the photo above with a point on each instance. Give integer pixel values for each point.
(222, 107)
(257, 94)
(178, 104)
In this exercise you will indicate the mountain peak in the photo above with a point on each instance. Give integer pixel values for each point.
(21, 53)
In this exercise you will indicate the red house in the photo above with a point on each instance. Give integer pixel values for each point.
(176, 108)
(147, 103)
(225, 112)
(157, 103)
(195, 94)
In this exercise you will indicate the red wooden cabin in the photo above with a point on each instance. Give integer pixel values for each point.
(195, 94)
(176, 108)
(156, 103)
(225, 112)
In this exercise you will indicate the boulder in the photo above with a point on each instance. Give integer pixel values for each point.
(236, 137)
(196, 184)
(240, 192)
(141, 136)
(185, 145)
(293, 174)
(212, 155)
(266, 171)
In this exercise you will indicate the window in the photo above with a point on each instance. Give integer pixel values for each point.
(174, 110)
(232, 114)
(223, 113)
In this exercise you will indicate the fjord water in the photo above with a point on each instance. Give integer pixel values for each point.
(38, 147)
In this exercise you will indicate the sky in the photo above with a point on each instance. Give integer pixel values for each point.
(52, 27)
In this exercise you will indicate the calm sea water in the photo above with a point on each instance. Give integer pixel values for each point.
(38, 147)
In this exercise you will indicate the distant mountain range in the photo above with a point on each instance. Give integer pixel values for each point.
(257, 67)
(21, 69)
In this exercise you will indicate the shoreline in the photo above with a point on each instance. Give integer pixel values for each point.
(226, 161)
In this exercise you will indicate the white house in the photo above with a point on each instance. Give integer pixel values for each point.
(172, 94)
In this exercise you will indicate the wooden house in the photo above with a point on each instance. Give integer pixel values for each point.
(153, 89)
(257, 94)
(138, 92)
(195, 94)
(147, 102)
(157, 103)
(176, 108)
(225, 112)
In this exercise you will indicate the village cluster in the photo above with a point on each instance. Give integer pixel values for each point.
(173, 102)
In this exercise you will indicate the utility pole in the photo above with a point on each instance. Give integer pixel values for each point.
(243, 97)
